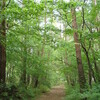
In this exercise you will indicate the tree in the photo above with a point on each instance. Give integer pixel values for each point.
(82, 80)
(3, 46)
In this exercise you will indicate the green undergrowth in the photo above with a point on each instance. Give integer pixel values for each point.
(73, 93)
(16, 92)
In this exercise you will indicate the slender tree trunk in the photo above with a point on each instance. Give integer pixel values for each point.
(81, 75)
(28, 79)
(45, 22)
(90, 70)
(24, 57)
(36, 82)
(24, 62)
(93, 54)
(93, 75)
(95, 2)
(67, 78)
(3, 48)
(95, 66)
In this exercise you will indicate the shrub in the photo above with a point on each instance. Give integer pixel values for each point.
(90, 94)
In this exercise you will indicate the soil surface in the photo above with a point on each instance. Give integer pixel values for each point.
(56, 93)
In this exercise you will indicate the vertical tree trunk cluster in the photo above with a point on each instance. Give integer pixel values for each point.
(86, 51)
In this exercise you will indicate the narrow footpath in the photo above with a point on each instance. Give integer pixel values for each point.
(56, 93)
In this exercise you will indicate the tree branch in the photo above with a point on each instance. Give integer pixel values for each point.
(66, 19)
(8, 3)
(89, 45)
(84, 48)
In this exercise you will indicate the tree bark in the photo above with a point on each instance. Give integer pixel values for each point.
(3, 48)
(81, 75)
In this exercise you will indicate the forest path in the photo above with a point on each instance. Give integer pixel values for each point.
(56, 93)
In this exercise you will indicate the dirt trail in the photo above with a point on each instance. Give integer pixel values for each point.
(56, 93)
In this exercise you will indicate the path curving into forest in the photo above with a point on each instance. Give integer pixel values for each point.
(56, 93)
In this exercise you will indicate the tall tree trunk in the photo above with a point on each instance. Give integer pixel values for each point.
(3, 48)
(81, 75)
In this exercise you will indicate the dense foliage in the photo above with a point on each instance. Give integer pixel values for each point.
(38, 49)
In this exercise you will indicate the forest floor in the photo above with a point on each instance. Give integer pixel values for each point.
(56, 93)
